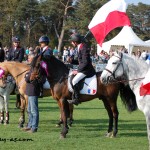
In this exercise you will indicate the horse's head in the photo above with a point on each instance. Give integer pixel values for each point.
(3, 77)
(114, 69)
(35, 67)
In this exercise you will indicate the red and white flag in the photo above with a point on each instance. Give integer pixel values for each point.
(145, 86)
(108, 17)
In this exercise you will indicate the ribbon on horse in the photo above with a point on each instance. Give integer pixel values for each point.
(44, 66)
(1, 72)
(145, 86)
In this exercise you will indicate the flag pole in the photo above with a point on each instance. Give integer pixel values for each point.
(87, 34)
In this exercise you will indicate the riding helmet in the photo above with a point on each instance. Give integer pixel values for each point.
(76, 37)
(15, 39)
(44, 39)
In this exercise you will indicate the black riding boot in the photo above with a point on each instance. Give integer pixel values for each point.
(75, 95)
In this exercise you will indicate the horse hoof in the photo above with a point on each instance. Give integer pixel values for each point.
(113, 135)
(20, 126)
(109, 134)
(62, 136)
(58, 125)
(70, 125)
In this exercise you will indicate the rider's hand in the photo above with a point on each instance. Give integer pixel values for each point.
(75, 72)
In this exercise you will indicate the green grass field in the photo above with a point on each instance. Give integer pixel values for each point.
(87, 132)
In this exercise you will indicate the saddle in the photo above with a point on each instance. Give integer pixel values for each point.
(86, 85)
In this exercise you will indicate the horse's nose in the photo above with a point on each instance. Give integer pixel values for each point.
(110, 78)
(103, 80)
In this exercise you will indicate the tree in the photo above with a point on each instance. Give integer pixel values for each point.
(139, 16)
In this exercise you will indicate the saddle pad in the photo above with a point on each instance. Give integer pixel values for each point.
(89, 88)
(46, 85)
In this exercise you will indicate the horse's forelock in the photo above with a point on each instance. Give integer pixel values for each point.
(34, 61)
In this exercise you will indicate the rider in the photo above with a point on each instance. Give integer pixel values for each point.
(16, 53)
(44, 41)
(85, 68)
(45, 50)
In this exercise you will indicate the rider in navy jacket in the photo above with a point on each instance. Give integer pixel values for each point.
(85, 68)
(16, 53)
(44, 41)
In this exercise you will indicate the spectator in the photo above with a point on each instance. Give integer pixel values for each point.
(6, 50)
(138, 54)
(143, 55)
(27, 51)
(65, 54)
(55, 52)
(33, 90)
(31, 50)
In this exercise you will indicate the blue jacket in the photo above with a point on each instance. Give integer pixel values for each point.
(16, 55)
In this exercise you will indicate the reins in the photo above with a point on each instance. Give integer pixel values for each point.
(21, 73)
(124, 81)
(22, 81)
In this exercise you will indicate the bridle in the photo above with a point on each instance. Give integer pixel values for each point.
(113, 73)
(118, 64)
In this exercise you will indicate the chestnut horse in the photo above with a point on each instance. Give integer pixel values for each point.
(57, 75)
(18, 71)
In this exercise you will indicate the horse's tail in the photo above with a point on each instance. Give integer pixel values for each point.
(128, 97)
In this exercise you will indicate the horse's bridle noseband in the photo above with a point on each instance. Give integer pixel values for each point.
(118, 64)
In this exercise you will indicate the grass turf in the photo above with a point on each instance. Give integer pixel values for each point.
(87, 132)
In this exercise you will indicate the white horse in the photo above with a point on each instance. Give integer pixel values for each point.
(136, 73)
(4, 99)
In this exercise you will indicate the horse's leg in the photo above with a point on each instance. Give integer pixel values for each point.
(6, 103)
(18, 101)
(110, 114)
(147, 116)
(1, 110)
(60, 119)
(115, 117)
(71, 107)
(22, 117)
(64, 113)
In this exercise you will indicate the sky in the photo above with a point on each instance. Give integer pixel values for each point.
(137, 1)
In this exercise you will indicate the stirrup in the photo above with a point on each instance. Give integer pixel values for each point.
(74, 101)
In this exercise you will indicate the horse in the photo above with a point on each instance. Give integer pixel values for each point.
(4, 99)
(130, 70)
(57, 75)
(17, 71)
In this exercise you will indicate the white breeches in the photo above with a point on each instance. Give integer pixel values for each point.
(77, 78)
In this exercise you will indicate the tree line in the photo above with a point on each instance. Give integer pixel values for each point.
(58, 18)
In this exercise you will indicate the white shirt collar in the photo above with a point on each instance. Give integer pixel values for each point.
(45, 48)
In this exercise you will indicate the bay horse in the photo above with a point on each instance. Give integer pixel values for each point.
(17, 71)
(136, 73)
(57, 75)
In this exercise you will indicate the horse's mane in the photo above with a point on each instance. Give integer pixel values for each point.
(57, 70)
(14, 63)
(34, 60)
(138, 64)
(52, 60)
